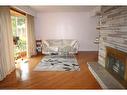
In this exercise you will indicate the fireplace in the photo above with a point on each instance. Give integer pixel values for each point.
(116, 64)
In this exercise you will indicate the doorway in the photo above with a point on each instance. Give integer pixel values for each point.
(19, 34)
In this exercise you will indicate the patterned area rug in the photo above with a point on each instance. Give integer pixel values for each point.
(58, 63)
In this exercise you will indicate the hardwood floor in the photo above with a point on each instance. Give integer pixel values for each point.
(25, 78)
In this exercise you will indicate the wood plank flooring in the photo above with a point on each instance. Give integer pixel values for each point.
(25, 78)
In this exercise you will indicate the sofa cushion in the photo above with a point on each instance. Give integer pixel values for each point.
(66, 42)
(54, 42)
(53, 49)
(65, 50)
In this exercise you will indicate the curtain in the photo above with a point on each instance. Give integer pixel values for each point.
(31, 42)
(6, 43)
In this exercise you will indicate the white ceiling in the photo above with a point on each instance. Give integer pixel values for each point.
(61, 8)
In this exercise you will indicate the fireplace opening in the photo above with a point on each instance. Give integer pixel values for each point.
(116, 64)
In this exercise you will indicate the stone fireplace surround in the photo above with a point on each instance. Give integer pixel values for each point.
(114, 74)
(112, 28)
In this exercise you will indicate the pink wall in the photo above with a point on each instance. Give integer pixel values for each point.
(67, 25)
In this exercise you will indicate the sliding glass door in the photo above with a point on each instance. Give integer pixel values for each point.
(19, 34)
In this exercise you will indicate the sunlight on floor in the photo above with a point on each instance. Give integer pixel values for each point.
(22, 69)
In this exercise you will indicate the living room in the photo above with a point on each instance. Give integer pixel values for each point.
(69, 47)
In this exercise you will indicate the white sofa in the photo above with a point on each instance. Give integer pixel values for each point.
(59, 46)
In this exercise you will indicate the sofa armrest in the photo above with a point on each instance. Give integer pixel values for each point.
(75, 45)
(45, 46)
(45, 43)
